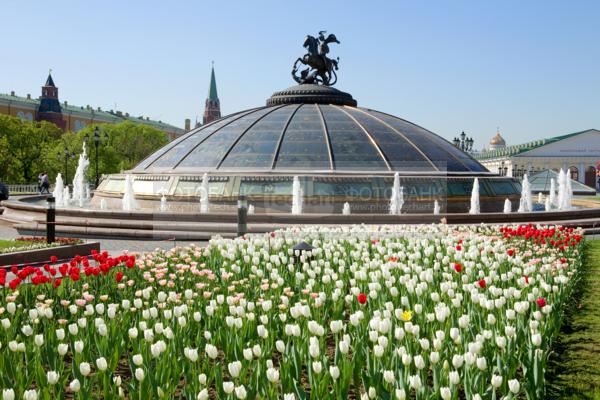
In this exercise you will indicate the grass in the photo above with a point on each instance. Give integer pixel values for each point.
(574, 369)
(14, 243)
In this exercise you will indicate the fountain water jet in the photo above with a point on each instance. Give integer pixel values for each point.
(250, 209)
(540, 198)
(436, 207)
(475, 205)
(129, 203)
(79, 182)
(507, 206)
(204, 194)
(548, 204)
(346, 209)
(526, 203)
(59, 191)
(568, 192)
(297, 197)
(397, 199)
(66, 196)
(553, 197)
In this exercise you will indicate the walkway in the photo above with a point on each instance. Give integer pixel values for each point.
(575, 365)
(113, 246)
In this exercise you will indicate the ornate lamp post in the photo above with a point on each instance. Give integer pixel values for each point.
(66, 156)
(97, 139)
(463, 142)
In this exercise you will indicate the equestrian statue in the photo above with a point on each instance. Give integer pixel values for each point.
(320, 68)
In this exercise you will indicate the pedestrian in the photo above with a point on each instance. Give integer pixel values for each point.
(45, 184)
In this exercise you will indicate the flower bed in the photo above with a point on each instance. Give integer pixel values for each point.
(432, 312)
(26, 243)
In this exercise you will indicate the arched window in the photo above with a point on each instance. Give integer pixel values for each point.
(574, 173)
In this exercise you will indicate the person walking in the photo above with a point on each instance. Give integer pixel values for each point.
(44, 184)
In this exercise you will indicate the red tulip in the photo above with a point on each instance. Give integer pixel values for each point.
(57, 282)
(482, 283)
(510, 252)
(362, 298)
(458, 248)
(119, 276)
(457, 267)
(14, 283)
(526, 279)
(53, 259)
(541, 302)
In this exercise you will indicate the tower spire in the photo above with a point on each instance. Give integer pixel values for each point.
(212, 107)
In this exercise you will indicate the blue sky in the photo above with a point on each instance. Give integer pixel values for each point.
(532, 68)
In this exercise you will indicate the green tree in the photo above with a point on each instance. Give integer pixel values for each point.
(128, 144)
(27, 145)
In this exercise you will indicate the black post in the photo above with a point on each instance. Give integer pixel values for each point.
(242, 227)
(50, 219)
(97, 176)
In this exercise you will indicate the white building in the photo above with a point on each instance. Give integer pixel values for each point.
(579, 152)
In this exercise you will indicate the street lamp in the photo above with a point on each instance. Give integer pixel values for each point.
(66, 156)
(463, 142)
(97, 139)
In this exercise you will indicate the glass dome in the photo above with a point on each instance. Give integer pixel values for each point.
(311, 137)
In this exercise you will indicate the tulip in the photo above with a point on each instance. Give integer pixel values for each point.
(30, 395)
(514, 386)
(228, 387)
(101, 364)
(202, 395)
(139, 374)
(85, 369)
(52, 377)
(8, 394)
(75, 385)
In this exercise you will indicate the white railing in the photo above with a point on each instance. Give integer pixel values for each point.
(22, 189)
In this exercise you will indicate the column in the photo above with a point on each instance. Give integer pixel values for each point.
(581, 172)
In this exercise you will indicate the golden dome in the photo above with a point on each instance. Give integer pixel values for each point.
(498, 140)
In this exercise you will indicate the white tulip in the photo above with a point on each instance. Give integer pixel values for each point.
(74, 385)
(273, 375)
(228, 387)
(334, 371)
(52, 377)
(202, 395)
(400, 394)
(138, 359)
(240, 392)
(85, 368)
(234, 368)
(514, 386)
(139, 374)
(481, 363)
(8, 394)
(496, 381)
(388, 376)
(101, 364)
(30, 395)
(317, 367)
(445, 393)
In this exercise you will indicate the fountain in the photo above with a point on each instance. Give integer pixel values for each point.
(346, 209)
(475, 206)
(297, 195)
(59, 191)
(250, 209)
(526, 203)
(540, 198)
(103, 205)
(568, 192)
(79, 183)
(548, 204)
(552, 195)
(397, 199)
(436, 207)
(507, 206)
(560, 200)
(128, 202)
(163, 204)
(204, 194)
(66, 196)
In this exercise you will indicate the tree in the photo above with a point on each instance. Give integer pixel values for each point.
(27, 145)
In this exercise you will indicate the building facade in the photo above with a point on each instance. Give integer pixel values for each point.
(578, 152)
(69, 117)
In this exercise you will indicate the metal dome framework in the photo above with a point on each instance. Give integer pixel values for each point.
(311, 138)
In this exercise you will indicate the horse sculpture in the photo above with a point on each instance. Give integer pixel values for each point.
(321, 69)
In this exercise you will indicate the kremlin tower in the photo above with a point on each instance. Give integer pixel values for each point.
(212, 108)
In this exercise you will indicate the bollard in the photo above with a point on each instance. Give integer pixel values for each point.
(242, 227)
(50, 219)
